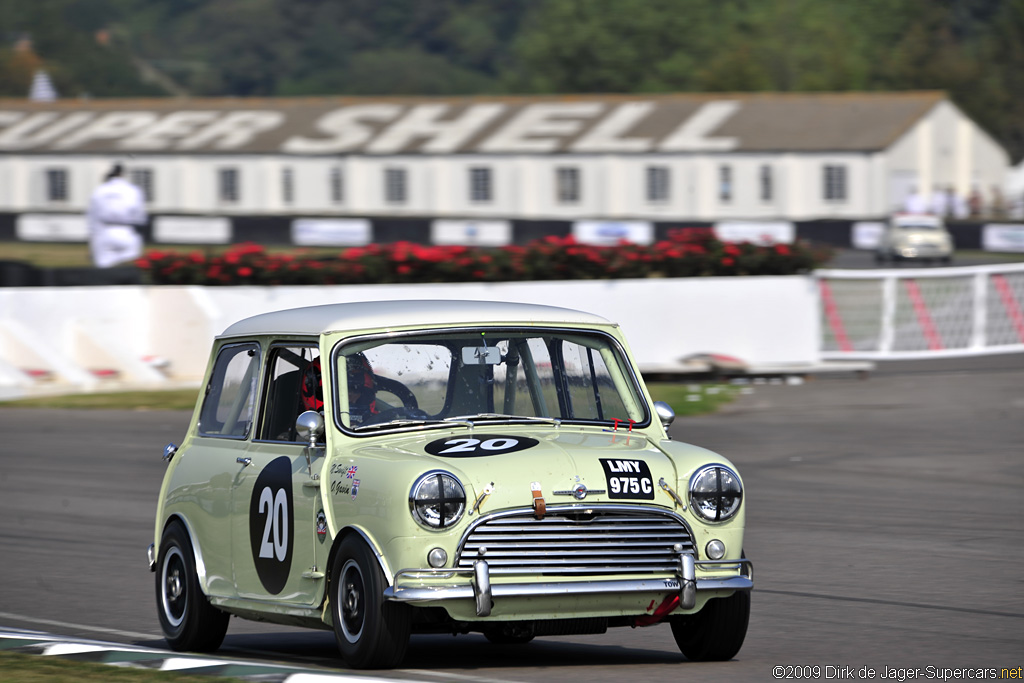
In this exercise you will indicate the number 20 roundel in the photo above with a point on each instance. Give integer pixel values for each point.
(479, 445)
(271, 524)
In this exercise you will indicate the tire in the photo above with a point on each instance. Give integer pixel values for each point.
(371, 633)
(716, 633)
(188, 620)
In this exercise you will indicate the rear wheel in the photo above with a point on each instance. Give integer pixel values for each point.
(187, 619)
(716, 632)
(371, 633)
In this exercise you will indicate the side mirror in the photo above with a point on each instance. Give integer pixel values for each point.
(665, 413)
(310, 427)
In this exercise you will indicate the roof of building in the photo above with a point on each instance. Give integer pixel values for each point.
(316, 320)
(579, 124)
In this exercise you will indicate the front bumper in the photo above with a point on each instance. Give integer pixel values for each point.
(429, 585)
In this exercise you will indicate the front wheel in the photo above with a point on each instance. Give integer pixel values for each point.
(715, 633)
(188, 620)
(371, 633)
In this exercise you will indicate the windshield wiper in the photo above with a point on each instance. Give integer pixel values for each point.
(502, 416)
(398, 423)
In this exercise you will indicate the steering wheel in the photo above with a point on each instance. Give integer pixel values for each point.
(393, 386)
(401, 413)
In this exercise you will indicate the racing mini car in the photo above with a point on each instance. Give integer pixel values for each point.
(915, 237)
(389, 468)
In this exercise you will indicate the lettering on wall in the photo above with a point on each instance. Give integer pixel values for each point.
(505, 127)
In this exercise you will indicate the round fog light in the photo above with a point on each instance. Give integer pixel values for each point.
(437, 558)
(715, 549)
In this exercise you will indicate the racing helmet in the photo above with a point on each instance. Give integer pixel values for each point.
(360, 376)
(312, 390)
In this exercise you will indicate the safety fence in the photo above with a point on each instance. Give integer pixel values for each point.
(921, 312)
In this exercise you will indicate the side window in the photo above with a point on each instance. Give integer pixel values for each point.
(231, 395)
(294, 385)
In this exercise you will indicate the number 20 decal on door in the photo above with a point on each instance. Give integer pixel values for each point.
(478, 445)
(272, 524)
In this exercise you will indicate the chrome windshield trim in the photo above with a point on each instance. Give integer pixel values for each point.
(521, 328)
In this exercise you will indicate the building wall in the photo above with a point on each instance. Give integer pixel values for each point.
(944, 147)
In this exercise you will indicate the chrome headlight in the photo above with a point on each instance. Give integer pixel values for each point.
(437, 500)
(715, 493)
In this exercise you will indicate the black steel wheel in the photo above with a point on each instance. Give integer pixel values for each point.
(715, 633)
(187, 619)
(371, 633)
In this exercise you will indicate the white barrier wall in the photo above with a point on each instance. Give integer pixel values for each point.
(158, 335)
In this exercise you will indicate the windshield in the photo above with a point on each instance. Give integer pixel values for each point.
(496, 375)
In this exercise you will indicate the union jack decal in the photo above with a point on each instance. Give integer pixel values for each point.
(351, 472)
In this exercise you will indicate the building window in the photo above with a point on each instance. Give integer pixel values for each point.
(567, 184)
(394, 185)
(228, 184)
(834, 189)
(287, 185)
(725, 184)
(480, 184)
(142, 178)
(336, 187)
(767, 188)
(57, 185)
(657, 183)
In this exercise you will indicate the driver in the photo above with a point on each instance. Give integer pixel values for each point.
(362, 392)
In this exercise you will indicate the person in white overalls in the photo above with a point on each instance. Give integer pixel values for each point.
(116, 208)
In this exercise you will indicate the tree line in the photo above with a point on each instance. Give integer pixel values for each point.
(972, 49)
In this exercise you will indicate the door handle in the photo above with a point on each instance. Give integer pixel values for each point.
(244, 461)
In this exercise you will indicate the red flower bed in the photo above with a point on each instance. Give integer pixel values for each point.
(688, 252)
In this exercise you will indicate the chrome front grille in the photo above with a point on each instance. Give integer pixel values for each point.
(577, 542)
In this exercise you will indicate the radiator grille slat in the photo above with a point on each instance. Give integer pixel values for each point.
(568, 543)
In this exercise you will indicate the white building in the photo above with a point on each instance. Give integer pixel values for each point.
(705, 157)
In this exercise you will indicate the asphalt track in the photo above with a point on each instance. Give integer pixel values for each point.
(884, 519)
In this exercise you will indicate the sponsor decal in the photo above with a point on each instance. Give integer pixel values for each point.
(321, 526)
(272, 524)
(611, 233)
(1002, 237)
(192, 230)
(355, 488)
(315, 232)
(478, 233)
(479, 445)
(628, 478)
(31, 227)
(867, 234)
(763, 233)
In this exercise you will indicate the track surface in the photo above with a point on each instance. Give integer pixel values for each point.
(885, 522)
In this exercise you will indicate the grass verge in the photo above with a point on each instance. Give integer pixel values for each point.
(693, 399)
(173, 399)
(24, 668)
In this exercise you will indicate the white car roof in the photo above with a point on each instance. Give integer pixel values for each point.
(916, 219)
(316, 320)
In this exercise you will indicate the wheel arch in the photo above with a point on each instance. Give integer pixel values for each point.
(347, 531)
(197, 552)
